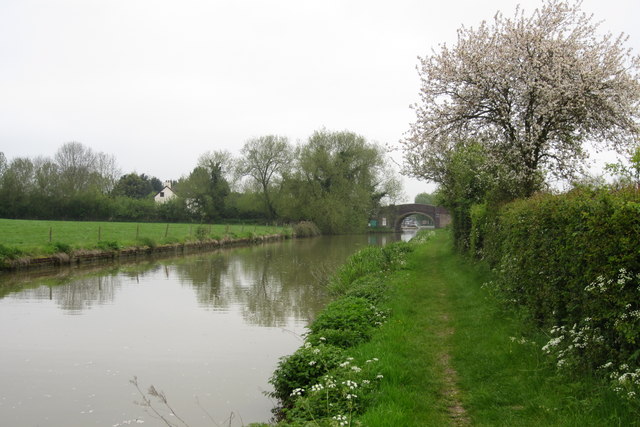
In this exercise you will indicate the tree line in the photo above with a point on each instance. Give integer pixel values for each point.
(335, 179)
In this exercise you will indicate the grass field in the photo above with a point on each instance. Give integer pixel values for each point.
(24, 237)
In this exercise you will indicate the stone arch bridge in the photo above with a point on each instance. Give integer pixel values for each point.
(392, 216)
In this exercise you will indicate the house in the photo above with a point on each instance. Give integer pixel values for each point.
(165, 194)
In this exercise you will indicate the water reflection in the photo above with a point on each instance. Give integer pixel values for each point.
(211, 325)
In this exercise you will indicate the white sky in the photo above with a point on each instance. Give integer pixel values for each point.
(157, 82)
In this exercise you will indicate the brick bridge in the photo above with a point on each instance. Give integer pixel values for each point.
(392, 216)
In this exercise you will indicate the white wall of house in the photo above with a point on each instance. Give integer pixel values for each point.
(164, 195)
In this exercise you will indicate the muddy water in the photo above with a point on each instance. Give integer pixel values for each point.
(207, 330)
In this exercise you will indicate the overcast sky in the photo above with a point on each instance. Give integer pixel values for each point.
(156, 83)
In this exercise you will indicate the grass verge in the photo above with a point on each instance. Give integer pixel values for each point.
(502, 377)
(448, 354)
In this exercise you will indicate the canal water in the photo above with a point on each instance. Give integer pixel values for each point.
(207, 330)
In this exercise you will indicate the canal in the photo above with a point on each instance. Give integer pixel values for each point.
(206, 329)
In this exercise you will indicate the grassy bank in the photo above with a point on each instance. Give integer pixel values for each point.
(35, 238)
(462, 356)
(449, 354)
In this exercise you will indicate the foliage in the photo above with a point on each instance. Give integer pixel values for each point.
(205, 191)
(145, 241)
(80, 169)
(202, 232)
(57, 247)
(337, 397)
(628, 173)
(572, 262)
(318, 382)
(303, 368)
(530, 90)
(338, 180)
(468, 179)
(346, 322)
(372, 287)
(109, 245)
(134, 186)
(426, 198)
(9, 252)
(369, 260)
(306, 229)
(264, 159)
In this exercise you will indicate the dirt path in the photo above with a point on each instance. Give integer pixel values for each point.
(450, 390)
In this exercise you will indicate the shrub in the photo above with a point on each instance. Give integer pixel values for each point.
(306, 229)
(303, 368)
(147, 241)
(337, 396)
(109, 245)
(59, 247)
(202, 232)
(372, 287)
(9, 252)
(366, 261)
(346, 322)
(396, 255)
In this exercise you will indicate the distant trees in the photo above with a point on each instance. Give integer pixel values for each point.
(531, 90)
(426, 198)
(80, 169)
(205, 191)
(264, 160)
(335, 179)
(136, 186)
(338, 179)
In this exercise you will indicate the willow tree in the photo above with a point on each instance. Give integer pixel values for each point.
(337, 181)
(532, 90)
(264, 159)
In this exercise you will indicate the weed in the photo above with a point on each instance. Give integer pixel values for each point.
(202, 232)
(147, 241)
(9, 252)
(109, 245)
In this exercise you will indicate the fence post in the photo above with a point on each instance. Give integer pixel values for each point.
(166, 232)
(137, 231)
(99, 233)
(50, 233)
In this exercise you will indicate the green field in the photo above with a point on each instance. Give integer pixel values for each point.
(24, 237)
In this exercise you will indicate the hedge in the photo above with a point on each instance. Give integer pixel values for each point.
(573, 262)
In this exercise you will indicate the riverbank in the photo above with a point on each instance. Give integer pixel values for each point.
(44, 244)
(451, 354)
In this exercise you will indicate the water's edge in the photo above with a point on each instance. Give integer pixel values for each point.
(135, 252)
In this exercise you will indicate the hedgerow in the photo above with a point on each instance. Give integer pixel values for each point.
(573, 262)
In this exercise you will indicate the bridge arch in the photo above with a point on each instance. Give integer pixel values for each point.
(400, 219)
(392, 216)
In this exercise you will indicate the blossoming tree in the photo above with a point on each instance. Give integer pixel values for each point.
(531, 90)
